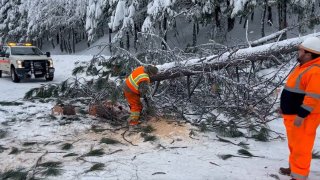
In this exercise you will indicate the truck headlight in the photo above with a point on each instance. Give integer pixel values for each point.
(19, 63)
(50, 63)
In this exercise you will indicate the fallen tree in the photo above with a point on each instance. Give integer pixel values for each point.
(237, 88)
(234, 58)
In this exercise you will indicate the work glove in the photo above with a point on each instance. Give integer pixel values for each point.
(144, 89)
(298, 121)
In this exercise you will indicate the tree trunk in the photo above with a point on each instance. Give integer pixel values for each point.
(230, 23)
(121, 44)
(65, 45)
(73, 41)
(239, 57)
(194, 34)
(163, 32)
(263, 17)
(69, 42)
(165, 28)
(270, 21)
(282, 10)
(52, 42)
(61, 41)
(110, 39)
(245, 22)
(252, 16)
(217, 12)
(128, 40)
(135, 37)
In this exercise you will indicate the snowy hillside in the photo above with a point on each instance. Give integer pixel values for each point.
(30, 137)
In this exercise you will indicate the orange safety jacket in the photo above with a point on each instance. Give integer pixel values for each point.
(301, 95)
(136, 77)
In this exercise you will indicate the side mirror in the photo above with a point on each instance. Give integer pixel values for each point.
(2, 54)
(48, 54)
(7, 55)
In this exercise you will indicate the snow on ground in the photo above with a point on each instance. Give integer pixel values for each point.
(173, 156)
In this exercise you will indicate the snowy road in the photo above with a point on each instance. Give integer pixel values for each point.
(63, 65)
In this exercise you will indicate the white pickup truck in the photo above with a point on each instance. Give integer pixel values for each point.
(24, 61)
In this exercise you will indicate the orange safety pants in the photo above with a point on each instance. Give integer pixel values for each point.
(300, 142)
(134, 103)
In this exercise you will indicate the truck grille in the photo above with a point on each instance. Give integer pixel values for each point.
(37, 65)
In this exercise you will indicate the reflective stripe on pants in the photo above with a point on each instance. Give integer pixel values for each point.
(135, 104)
(300, 142)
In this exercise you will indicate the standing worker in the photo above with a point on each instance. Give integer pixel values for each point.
(135, 87)
(300, 107)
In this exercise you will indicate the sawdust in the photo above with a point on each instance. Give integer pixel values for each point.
(170, 130)
(165, 131)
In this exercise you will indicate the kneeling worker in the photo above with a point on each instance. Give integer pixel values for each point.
(135, 87)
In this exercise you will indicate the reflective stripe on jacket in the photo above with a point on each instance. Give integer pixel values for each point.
(301, 94)
(135, 78)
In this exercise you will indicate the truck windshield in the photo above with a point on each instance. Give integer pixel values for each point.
(25, 51)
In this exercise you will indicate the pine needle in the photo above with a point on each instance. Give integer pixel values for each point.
(147, 129)
(263, 135)
(5, 103)
(29, 143)
(52, 164)
(51, 171)
(18, 174)
(224, 140)
(101, 84)
(315, 155)
(148, 137)
(70, 154)
(97, 129)
(234, 132)
(52, 117)
(225, 156)
(14, 150)
(203, 127)
(275, 176)
(96, 167)
(3, 134)
(243, 145)
(66, 146)
(64, 86)
(30, 93)
(108, 141)
(95, 152)
(244, 152)
(78, 70)
(2, 148)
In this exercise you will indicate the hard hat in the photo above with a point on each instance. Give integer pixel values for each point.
(149, 69)
(311, 44)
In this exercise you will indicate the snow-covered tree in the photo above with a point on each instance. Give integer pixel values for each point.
(160, 12)
(94, 15)
(10, 20)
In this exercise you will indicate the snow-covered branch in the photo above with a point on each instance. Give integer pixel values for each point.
(233, 58)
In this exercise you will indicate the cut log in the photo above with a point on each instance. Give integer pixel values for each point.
(61, 109)
(108, 110)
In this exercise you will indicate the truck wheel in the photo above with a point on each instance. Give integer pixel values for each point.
(49, 78)
(14, 75)
(0, 74)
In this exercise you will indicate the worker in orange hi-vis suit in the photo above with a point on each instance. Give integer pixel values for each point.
(300, 107)
(135, 87)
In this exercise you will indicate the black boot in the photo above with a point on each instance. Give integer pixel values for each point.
(285, 171)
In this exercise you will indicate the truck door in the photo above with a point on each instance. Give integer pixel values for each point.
(6, 60)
